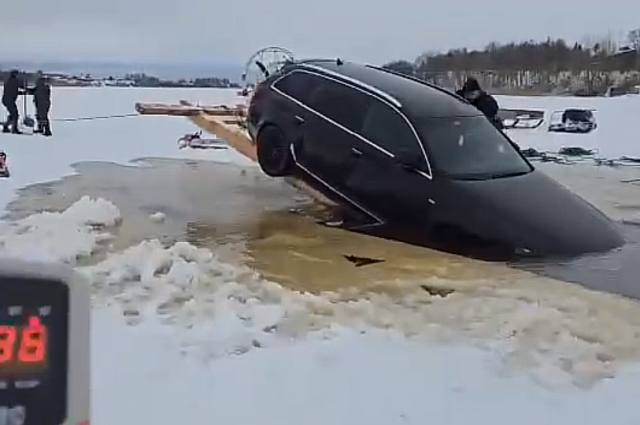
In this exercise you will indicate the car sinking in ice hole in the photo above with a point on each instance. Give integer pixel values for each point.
(403, 152)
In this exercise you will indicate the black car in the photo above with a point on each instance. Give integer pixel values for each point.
(402, 152)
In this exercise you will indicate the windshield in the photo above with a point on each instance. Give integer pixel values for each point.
(578, 115)
(471, 147)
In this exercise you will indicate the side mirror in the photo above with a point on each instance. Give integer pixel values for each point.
(408, 160)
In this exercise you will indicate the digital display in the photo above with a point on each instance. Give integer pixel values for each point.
(34, 342)
(23, 347)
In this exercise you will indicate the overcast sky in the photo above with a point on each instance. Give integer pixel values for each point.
(229, 31)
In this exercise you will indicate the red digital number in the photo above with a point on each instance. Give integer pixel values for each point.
(33, 342)
(8, 336)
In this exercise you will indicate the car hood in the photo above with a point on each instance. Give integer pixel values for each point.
(535, 213)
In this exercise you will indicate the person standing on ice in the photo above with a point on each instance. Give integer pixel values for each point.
(42, 100)
(479, 98)
(13, 87)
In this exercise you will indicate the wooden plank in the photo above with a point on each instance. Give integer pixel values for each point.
(187, 110)
(236, 136)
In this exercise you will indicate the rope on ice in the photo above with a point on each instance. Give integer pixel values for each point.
(103, 117)
(574, 155)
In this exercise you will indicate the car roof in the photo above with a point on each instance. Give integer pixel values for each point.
(417, 99)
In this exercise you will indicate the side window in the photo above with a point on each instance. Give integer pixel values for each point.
(388, 129)
(340, 103)
(299, 85)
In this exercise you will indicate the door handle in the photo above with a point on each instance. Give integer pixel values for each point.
(356, 152)
(299, 119)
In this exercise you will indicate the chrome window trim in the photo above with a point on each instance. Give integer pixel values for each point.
(380, 93)
(428, 175)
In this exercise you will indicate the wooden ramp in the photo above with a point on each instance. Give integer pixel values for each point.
(224, 122)
(185, 109)
(227, 127)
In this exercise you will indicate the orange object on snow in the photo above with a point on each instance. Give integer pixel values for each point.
(4, 170)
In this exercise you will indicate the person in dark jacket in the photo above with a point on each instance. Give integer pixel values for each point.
(480, 99)
(13, 87)
(42, 100)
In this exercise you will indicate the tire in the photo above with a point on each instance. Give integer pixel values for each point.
(274, 153)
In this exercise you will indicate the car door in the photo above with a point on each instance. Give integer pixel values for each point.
(289, 110)
(391, 173)
(328, 132)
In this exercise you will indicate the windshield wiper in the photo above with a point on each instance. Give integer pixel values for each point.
(471, 177)
(487, 176)
(508, 174)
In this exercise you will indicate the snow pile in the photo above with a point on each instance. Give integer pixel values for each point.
(183, 285)
(59, 237)
(562, 334)
(158, 217)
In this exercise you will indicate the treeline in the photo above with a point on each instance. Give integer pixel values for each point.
(144, 80)
(136, 79)
(552, 64)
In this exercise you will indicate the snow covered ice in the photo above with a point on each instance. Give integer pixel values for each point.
(181, 335)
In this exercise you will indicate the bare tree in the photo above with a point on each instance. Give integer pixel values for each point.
(401, 66)
(634, 39)
(607, 44)
(584, 67)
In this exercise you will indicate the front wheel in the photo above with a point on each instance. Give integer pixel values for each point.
(274, 153)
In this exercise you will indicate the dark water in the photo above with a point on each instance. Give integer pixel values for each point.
(246, 218)
(617, 271)
(615, 191)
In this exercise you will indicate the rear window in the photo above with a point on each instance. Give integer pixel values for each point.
(299, 85)
(577, 115)
(340, 103)
(470, 148)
